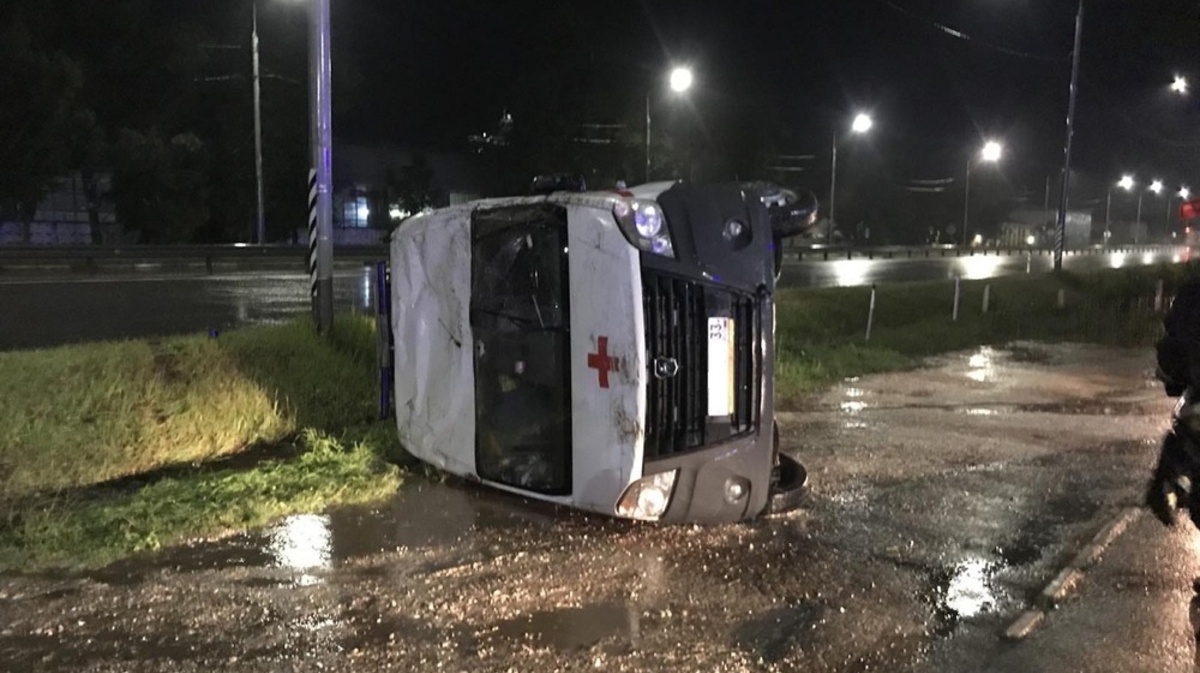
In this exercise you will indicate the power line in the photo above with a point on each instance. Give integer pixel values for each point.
(960, 35)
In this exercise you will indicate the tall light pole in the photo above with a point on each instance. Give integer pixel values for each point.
(320, 190)
(261, 226)
(1127, 183)
(1156, 186)
(1060, 231)
(861, 124)
(990, 153)
(680, 81)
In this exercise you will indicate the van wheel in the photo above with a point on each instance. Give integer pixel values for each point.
(789, 481)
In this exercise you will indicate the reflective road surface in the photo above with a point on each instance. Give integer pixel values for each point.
(39, 312)
(48, 311)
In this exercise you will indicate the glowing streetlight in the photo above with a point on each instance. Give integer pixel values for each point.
(1156, 186)
(680, 80)
(1180, 85)
(861, 124)
(990, 153)
(1126, 182)
(1184, 193)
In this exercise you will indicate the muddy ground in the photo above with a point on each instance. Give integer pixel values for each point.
(942, 501)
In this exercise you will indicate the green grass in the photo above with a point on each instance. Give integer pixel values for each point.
(77, 417)
(821, 333)
(328, 472)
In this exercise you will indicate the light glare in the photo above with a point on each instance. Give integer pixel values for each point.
(992, 151)
(1180, 84)
(862, 123)
(681, 80)
(1126, 182)
(1156, 186)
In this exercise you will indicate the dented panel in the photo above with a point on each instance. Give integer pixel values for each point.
(607, 358)
(434, 379)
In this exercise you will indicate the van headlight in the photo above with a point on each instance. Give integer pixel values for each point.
(644, 225)
(647, 498)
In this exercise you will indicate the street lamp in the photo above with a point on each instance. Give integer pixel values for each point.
(990, 153)
(1183, 194)
(260, 223)
(1060, 229)
(1126, 183)
(680, 80)
(1180, 85)
(861, 124)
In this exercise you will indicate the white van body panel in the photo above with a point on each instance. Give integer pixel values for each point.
(434, 359)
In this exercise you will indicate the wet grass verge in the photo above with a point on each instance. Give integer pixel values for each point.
(114, 448)
(821, 333)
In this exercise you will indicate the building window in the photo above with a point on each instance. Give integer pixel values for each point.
(352, 210)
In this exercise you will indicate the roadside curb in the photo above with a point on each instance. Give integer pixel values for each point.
(1071, 576)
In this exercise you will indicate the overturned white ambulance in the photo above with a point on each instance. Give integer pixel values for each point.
(609, 351)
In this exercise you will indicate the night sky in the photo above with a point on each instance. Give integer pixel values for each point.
(783, 75)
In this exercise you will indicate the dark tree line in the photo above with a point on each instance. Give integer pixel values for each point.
(161, 103)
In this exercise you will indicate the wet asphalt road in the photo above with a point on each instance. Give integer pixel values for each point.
(39, 311)
(942, 501)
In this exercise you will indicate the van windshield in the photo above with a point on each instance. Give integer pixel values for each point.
(520, 320)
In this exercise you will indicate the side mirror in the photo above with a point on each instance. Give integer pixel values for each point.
(791, 214)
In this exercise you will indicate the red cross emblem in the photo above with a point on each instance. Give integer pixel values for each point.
(602, 362)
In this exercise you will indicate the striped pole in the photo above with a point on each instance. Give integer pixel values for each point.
(312, 238)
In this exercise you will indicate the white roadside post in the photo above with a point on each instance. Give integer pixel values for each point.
(871, 313)
(957, 295)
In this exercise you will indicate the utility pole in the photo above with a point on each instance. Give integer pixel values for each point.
(320, 176)
(647, 137)
(1060, 231)
(261, 227)
(832, 190)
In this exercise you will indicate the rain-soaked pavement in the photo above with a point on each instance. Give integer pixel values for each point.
(943, 500)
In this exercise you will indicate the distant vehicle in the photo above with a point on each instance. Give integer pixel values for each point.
(610, 351)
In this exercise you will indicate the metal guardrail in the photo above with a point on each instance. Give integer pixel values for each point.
(92, 259)
(87, 258)
(834, 252)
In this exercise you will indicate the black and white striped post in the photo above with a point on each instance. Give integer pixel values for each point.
(320, 179)
(312, 239)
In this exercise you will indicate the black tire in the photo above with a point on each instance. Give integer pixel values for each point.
(789, 482)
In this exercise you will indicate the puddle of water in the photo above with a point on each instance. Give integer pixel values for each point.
(964, 592)
(981, 365)
(455, 515)
(1029, 354)
(1086, 408)
(980, 411)
(574, 628)
(777, 633)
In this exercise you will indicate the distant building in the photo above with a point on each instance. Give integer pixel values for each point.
(365, 202)
(63, 217)
(1024, 225)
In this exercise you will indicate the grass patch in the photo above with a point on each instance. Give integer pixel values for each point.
(80, 417)
(821, 333)
(328, 472)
